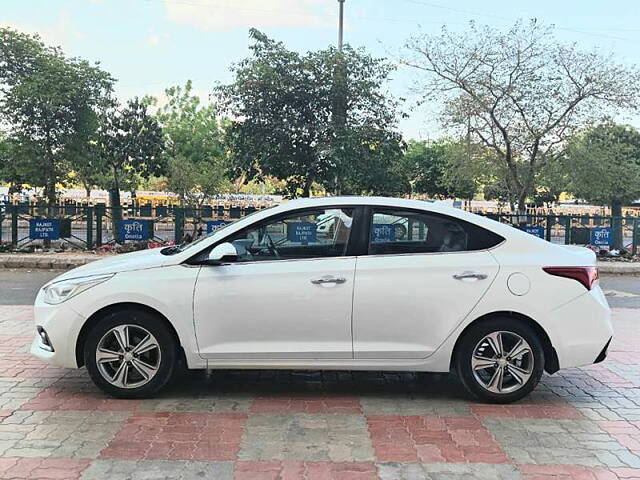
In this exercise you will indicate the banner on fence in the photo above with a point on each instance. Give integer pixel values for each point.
(214, 225)
(134, 230)
(536, 231)
(44, 229)
(601, 236)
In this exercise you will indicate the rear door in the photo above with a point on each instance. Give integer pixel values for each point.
(424, 272)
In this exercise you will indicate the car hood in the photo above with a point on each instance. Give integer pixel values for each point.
(124, 262)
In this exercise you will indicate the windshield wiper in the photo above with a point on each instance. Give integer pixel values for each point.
(172, 250)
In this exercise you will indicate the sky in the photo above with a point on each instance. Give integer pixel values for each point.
(149, 45)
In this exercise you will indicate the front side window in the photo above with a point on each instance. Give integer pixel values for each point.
(314, 233)
(398, 232)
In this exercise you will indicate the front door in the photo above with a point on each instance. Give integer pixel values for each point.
(424, 273)
(289, 295)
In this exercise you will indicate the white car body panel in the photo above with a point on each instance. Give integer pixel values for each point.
(418, 319)
(283, 315)
(168, 290)
(127, 262)
(289, 323)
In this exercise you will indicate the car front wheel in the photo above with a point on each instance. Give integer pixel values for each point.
(500, 360)
(130, 354)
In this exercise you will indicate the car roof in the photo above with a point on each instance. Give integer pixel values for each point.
(355, 200)
(428, 205)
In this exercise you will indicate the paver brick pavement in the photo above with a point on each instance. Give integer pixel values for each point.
(279, 425)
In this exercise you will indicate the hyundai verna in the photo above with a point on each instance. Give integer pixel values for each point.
(333, 283)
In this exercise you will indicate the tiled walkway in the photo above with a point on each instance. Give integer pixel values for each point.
(579, 423)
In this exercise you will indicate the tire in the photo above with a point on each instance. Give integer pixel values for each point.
(142, 370)
(480, 374)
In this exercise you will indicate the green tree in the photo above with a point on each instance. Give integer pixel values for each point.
(129, 145)
(552, 180)
(85, 163)
(13, 169)
(321, 117)
(499, 189)
(368, 163)
(46, 99)
(447, 168)
(520, 92)
(472, 168)
(463, 170)
(604, 167)
(194, 146)
(423, 166)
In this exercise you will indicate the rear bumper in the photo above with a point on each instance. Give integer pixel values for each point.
(581, 330)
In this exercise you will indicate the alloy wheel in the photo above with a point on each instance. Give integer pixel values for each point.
(502, 362)
(128, 356)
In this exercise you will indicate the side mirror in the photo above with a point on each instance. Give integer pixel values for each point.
(225, 252)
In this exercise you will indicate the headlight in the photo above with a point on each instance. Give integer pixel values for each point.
(63, 290)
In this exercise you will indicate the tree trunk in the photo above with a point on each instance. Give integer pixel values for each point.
(522, 203)
(238, 183)
(49, 189)
(14, 188)
(116, 207)
(116, 211)
(306, 191)
(50, 179)
(616, 224)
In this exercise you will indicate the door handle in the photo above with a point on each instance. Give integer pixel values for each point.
(470, 276)
(328, 279)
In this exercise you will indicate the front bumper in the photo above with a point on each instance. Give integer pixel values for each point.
(62, 325)
(603, 354)
(581, 330)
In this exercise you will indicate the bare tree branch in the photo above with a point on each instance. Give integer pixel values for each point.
(523, 91)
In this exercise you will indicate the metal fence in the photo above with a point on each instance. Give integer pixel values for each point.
(585, 230)
(94, 226)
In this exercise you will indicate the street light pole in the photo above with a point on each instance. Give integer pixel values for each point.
(340, 24)
(339, 82)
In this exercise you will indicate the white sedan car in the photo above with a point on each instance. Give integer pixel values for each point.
(333, 283)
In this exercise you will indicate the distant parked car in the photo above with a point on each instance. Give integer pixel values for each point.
(334, 283)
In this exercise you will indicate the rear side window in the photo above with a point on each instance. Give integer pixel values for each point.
(399, 231)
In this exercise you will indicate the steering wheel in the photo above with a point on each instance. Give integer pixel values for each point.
(271, 247)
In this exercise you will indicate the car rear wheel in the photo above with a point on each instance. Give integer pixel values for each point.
(500, 360)
(130, 354)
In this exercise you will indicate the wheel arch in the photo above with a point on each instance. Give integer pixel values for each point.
(551, 362)
(117, 307)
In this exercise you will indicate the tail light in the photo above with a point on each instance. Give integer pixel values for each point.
(585, 275)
